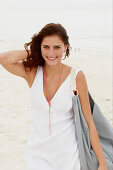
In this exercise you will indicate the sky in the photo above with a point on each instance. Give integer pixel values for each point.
(20, 19)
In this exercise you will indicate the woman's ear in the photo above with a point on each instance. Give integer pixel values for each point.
(66, 46)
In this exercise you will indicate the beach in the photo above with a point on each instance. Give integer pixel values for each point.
(15, 113)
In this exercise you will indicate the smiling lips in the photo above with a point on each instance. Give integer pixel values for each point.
(51, 58)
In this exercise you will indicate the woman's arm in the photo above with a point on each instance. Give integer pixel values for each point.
(13, 56)
(10, 61)
(85, 106)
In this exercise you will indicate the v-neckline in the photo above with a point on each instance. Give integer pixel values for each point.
(57, 89)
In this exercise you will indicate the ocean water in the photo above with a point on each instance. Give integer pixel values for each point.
(88, 23)
(86, 46)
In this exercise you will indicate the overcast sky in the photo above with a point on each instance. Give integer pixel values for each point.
(20, 19)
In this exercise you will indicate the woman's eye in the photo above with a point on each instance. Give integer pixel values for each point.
(57, 47)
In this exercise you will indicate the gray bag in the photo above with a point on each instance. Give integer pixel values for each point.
(88, 159)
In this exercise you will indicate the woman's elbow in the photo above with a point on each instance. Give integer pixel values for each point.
(2, 58)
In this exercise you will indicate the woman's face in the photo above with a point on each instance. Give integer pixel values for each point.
(52, 49)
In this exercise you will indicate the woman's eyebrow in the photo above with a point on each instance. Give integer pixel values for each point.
(48, 45)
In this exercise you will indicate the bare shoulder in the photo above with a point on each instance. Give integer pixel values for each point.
(80, 76)
(67, 69)
(81, 81)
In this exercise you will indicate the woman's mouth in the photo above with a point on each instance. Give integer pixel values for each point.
(51, 58)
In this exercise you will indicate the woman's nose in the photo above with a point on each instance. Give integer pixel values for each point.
(51, 53)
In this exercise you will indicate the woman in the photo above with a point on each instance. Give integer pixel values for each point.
(51, 101)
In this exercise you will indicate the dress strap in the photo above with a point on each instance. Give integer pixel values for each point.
(74, 72)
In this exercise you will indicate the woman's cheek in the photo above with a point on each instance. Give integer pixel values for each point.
(43, 53)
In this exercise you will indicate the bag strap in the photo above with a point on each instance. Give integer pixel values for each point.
(74, 72)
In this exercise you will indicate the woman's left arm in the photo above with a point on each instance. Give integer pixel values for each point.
(82, 87)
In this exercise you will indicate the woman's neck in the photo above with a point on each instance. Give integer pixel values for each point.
(52, 71)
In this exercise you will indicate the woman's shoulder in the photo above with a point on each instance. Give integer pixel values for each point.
(73, 69)
(76, 67)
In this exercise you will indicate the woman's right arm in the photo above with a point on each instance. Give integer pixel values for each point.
(12, 57)
(10, 61)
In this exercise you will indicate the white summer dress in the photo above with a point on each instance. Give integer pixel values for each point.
(58, 151)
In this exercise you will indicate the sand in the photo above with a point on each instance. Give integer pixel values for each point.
(15, 115)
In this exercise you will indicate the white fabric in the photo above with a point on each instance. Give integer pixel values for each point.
(73, 75)
(58, 151)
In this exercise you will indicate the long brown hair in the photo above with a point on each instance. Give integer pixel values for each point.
(34, 58)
